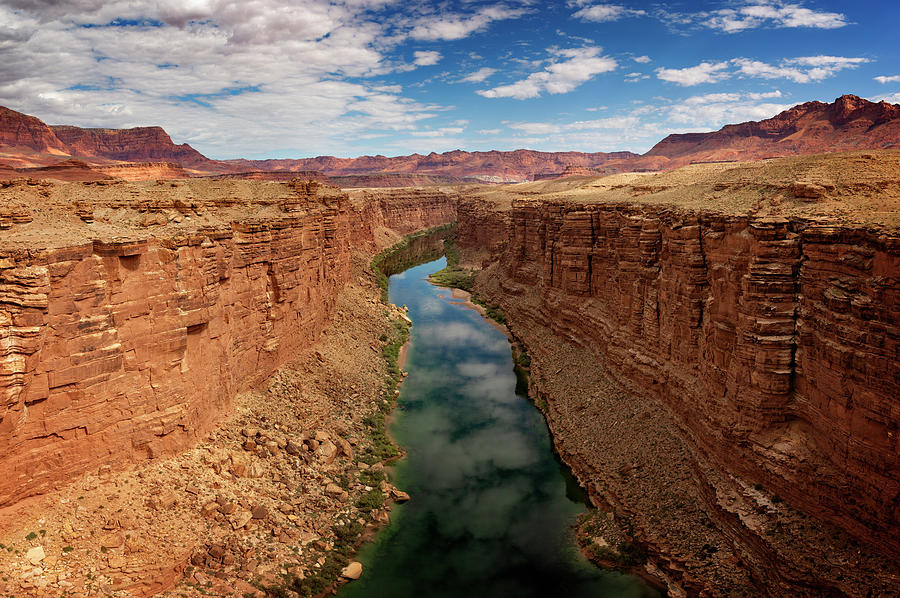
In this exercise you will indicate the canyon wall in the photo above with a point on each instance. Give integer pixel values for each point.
(115, 350)
(773, 341)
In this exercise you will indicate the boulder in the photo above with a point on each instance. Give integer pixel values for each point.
(352, 571)
(36, 555)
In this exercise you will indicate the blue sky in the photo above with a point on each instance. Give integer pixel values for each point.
(276, 78)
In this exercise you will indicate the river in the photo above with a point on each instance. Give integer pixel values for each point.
(493, 510)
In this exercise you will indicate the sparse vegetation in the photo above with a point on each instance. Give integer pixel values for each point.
(371, 478)
(492, 311)
(522, 359)
(378, 262)
(371, 500)
(347, 538)
(454, 277)
(631, 554)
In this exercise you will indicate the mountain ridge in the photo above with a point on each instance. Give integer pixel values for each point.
(848, 123)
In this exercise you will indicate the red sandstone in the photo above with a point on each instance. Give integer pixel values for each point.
(127, 338)
(772, 340)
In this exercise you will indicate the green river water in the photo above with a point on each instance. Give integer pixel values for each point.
(493, 510)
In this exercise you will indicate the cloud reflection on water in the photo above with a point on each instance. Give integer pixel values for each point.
(489, 515)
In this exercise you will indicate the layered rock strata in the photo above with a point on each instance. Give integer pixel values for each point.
(126, 329)
(771, 342)
(140, 144)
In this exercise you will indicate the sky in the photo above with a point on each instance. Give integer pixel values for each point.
(289, 79)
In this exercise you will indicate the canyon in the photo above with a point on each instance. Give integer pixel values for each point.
(128, 323)
(766, 328)
(715, 348)
(848, 123)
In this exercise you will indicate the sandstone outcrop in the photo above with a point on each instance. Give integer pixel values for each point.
(143, 171)
(66, 170)
(126, 328)
(79, 170)
(396, 179)
(771, 339)
(277, 175)
(783, 334)
(406, 210)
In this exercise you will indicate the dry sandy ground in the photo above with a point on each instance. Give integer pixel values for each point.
(860, 188)
(58, 214)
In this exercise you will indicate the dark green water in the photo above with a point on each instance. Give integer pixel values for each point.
(492, 510)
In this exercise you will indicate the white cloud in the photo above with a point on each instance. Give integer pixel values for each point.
(645, 125)
(215, 73)
(613, 123)
(713, 110)
(488, 131)
(888, 79)
(426, 58)
(602, 13)
(642, 59)
(441, 132)
(705, 72)
(769, 13)
(478, 76)
(890, 98)
(536, 128)
(452, 26)
(804, 69)
(749, 14)
(764, 95)
(570, 69)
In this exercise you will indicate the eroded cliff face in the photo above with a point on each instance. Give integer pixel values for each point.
(783, 335)
(19, 130)
(406, 210)
(126, 335)
(140, 144)
(771, 341)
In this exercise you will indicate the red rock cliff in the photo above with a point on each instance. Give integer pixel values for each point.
(126, 348)
(141, 144)
(20, 131)
(518, 165)
(850, 122)
(773, 342)
(783, 334)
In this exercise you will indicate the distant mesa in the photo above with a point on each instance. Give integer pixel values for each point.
(850, 123)
(141, 144)
(28, 134)
(491, 166)
(27, 143)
